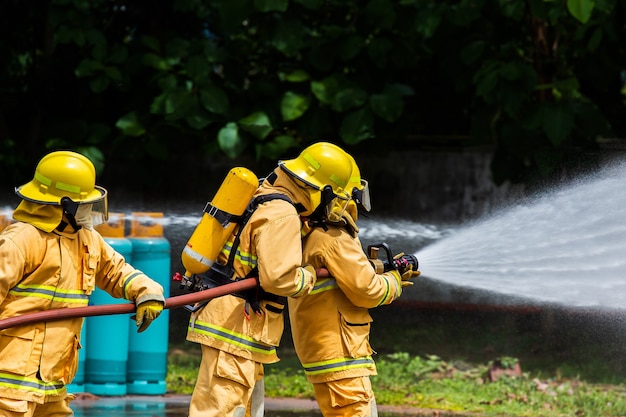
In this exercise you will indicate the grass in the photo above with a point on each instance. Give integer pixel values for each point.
(570, 364)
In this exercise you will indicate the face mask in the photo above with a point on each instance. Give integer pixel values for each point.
(337, 210)
(83, 216)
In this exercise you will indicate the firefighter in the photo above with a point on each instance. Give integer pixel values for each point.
(331, 325)
(238, 334)
(52, 258)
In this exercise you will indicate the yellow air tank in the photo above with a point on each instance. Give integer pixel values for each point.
(216, 225)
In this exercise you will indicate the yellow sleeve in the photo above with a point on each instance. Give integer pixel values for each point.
(120, 279)
(347, 263)
(279, 251)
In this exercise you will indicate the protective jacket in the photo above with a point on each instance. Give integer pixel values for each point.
(331, 325)
(271, 244)
(48, 270)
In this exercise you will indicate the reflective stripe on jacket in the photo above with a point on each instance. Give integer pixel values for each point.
(41, 271)
(271, 242)
(331, 325)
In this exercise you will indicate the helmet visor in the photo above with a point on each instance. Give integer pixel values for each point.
(362, 196)
(90, 214)
(100, 210)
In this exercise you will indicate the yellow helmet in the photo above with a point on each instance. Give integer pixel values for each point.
(67, 179)
(320, 165)
(360, 197)
(63, 174)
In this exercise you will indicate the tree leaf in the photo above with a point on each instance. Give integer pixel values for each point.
(295, 76)
(387, 106)
(349, 47)
(99, 84)
(581, 9)
(177, 102)
(197, 69)
(87, 67)
(277, 147)
(356, 127)
(257, 124)
(155, 61)
(487, 84)
(595, 40)
(151, 42)
(229, 140)
(289, 37)
(130, 125)
(198, 119)
(325, 89)
(349, 98)
(214, 99)
(293, 105)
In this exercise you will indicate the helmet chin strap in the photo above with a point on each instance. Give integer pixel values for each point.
(320, 214)
(69, 210)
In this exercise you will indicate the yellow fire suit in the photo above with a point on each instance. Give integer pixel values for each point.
(331, 325)
(235, 346)
(42, 270)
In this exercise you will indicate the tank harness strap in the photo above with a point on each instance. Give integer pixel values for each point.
(255, 295)
(222, 274)
(223, 217)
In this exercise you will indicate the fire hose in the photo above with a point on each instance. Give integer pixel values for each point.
(195, 297)
(111, 309)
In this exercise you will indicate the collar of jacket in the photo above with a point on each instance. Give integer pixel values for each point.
(285, 185)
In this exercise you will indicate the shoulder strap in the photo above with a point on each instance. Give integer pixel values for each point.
(252, 206)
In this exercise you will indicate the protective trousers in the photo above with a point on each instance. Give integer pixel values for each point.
(22, 408)
(225, 386)
(348, 397)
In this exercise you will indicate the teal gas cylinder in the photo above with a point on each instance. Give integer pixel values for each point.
(147, 351)
(107, 336)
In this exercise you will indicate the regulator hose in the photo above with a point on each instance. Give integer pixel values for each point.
(110, 309)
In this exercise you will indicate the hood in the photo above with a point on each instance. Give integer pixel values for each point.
(45, 217)
(280, 181)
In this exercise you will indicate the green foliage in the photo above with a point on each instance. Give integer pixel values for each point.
(182, 368)
(287, 380)
(534, 79)
(505, 362)
(429, 382)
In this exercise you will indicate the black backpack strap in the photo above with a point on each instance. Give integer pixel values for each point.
(221, 216)
(255, 295)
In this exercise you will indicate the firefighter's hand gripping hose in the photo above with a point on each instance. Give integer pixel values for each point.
(311, 270)
(147, 312)
(405, 264)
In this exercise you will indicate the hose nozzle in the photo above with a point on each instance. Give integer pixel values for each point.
(400, 263)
